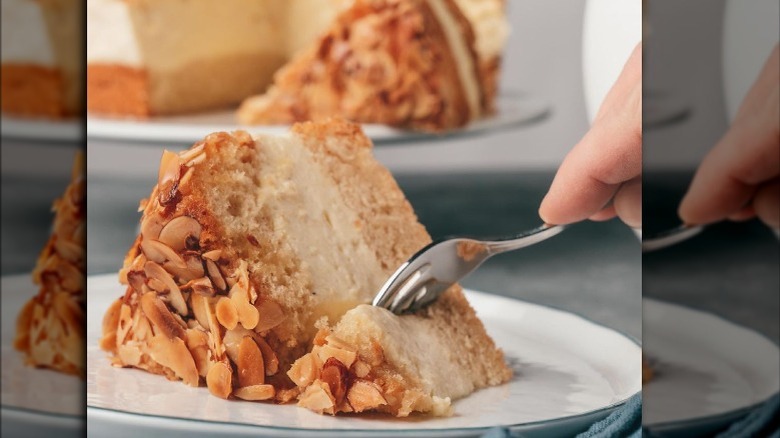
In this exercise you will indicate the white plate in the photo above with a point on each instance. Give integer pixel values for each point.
(570, 372)
(707, 370)
(35, 401)
(54, 130)
(513, 109)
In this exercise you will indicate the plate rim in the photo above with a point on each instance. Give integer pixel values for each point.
(601, 412)
(689, 423)
(385, 139)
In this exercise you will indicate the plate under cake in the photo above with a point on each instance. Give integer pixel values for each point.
(50, 327)
(249, 245)
(41, 62)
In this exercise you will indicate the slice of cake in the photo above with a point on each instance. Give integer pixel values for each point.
(144, 59)
(158, 57)
(42, 66)
(50, 327)
(407, 63)
(250, 246)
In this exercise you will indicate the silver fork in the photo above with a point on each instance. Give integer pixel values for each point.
(427, 274)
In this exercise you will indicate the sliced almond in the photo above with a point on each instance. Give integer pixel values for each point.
(213, 255)
(216, 276)
(168, 177)
(255, 392)
(220, 380)
(346, 357)
(192, 153)
(269, 356)
(154, 270)
(151, 225)
(69, 251)
(226, 313)
(249, 363)
(200, 286)
(180, 232)
(364, 395)
(304, 371)
(361, 368)
(159, 252)
(318, 398)
(173, 353)
(198, 304)
(198, 344)
(270, 314)
(160, 316)
(336, 376)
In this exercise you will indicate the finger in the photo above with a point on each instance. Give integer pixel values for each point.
(608, 155)
(766, 203)
(729, 175)
(746, 213)
(605, 214)
(628, 202)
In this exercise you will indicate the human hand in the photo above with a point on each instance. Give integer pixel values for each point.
(601, 177)
(740, 177)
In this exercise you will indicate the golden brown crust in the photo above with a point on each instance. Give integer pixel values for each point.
(118, 90)
(50, 327)
(382, 61)
(30, 90)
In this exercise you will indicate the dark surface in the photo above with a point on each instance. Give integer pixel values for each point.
(592, 269)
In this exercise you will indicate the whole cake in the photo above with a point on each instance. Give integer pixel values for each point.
(144, 59)
(252, 268)
(50, 327)
(42, 64)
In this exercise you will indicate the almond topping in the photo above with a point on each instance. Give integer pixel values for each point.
(318, 398)
(159, 252)
(216, 277)
(160, 316)
(255, 392)
(226, 313)
(270, 313)
(219, 380)
(346, 357)
(251, 369)
(304, 371)
(151, 225)
(173, 353)
(179, 232)
(271, 361)
(336, 376)
(365, 395)
(153, 270)
(213, 255)
(201, 286)
(168, 177)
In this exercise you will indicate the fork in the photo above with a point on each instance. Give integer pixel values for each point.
(433, 269)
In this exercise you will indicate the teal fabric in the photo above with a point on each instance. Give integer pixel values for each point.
(625, 422)
(762, 421)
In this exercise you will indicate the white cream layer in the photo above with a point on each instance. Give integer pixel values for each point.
(110, 34)
(25, 37)
(464, 61)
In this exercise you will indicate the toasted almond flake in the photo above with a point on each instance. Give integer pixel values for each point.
(178, 231)
(270, 314)
(200, 286)
(249, 363)
(255, 392)
(159, 252)
(173, 353)
(198, 344)
(219, 380)
(318, 398)
(168, 176)
(304, 371)
(199, 303)
(216, 276)
(287, 395)
(336, 376)
(69, 251)
(154, 270)
(129, 354)
(271, 361)
(151, 225)
(160, 316)
(192, 153)
(344, 356)
(361, 368)
(226, 313)
(213, 255)
(365, 395)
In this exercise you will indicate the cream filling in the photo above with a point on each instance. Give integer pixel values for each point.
(464, 61)
(411, 345)
(324, 234)
(25, 37)
(111, 36)
(490, 24)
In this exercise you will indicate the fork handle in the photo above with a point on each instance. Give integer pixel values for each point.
(525, 239)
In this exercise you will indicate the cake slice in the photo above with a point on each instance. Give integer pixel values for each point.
(42, 66)
(250, 246)
(406, 63)
(50, 327)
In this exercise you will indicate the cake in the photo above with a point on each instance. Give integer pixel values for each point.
(50, 327)
(42, 66)
(143, 59)
(255, 259)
